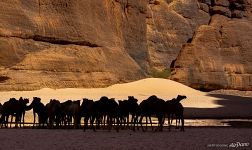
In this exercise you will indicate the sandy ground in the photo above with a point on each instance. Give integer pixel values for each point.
(217, 104)
(191, 139)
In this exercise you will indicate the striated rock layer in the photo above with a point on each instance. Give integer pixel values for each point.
(67, 43)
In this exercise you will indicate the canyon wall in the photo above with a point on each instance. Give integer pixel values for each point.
(69, 44)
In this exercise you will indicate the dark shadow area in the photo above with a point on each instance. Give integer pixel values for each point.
(239, 124)
(3, 78)
(232, 107)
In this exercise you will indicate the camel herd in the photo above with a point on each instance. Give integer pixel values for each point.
(105, 113)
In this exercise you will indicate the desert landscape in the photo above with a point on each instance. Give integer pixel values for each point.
(91, 64)
(202, 126)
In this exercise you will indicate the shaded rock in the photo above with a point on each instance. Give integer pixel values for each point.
(224, 3)
(221, 11)
(204, 7)
(208, 2)
(237, 14)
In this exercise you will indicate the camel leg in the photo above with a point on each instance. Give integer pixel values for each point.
(171, 118)
(23, 118)
(182, 124)
(176, 123)
(6, 121)
(140, 121)
(85, 123)
(128, 122)
(169, 122)
(34, 119)
(92, 119)
(117, 124)
(146, 125)
(133, 120)
(161, 123)
(151, 123)
(11, 120)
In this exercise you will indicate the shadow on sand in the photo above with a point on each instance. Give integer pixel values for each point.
(232, 107)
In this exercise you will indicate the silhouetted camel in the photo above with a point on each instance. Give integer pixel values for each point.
(126, 108)
(107, 112)
(103, 110)
(174, 107)
(124, 113)
(13, 108)
(53, 109)
(134, 110)
(39, 109)
(153, 106)
(73, 112)
(65, 119)
(113, 117)
(88, 111)
(23, 104)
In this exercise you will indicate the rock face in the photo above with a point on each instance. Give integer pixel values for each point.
(67, 43)
(219, 56)
(170, 24)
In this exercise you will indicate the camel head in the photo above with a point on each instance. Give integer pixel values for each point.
(26, 100)
(132, 99)
(104, 98)
(37, 99)
(84, 100)
(181, 97)
(12, 99)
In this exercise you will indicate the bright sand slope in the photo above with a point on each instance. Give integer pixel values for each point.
(141, 89)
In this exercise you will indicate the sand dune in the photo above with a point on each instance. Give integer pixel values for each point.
(198, 104)
(141, 89)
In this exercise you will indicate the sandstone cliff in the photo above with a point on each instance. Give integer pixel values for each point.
(67, 43)
(219, 55)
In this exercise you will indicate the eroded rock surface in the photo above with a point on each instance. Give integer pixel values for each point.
(67, 43)
(220, 53)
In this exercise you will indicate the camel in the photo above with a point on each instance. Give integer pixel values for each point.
(73, 112)
(103, 108)
(65, 118)
(112, 116)
(153, 106)
(133, 110)
(106, 112)
(174, 107)
(23, 104)
(13, 108)
(126, 108)
(69, 110)
(39, 109)
(88, 111)
(124, 113)
(53, 109)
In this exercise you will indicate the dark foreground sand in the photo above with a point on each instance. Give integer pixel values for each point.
(191, 139)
